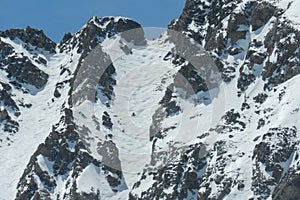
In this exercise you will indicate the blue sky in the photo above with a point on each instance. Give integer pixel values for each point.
(58, 17)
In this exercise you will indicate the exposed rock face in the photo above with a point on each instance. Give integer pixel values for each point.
(31, 36)
(88, 40)
(97, 68)
(224, 29)
(231, 121)
(286, 64)
(106, 120)
(24, 72)
(222, 37)
(6, 99)
(8, 114)
(99, 28)
(273, 156)
(65, 154)
(182, 171)
(67, 151)
(5, 50)
(262, 13)
(289, 187)
(249, 151)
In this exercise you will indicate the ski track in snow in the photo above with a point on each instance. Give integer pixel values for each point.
(139, 78)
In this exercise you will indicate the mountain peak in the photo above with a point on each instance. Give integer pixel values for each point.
(32, 36)
(211, 112)
(97, 29)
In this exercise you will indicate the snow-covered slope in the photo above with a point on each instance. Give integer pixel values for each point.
(291, 10)
(209, 110)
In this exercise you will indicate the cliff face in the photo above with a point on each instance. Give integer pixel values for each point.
(250, 31)
(254, 46)
(207, 111)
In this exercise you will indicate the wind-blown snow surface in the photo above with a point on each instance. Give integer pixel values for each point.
(35, 125)
(140, 79)
(292, 8)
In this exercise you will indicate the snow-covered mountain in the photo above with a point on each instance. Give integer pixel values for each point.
(209, 110)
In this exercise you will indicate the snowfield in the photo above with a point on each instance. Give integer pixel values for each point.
(232, 141)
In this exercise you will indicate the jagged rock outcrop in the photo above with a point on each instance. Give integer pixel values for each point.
(67, 151)
(223, 112)
(97, 29)
(242, 37)
(274, 157)
(30, 36)
(8, 114)
(222, 38)
(182, 172)
(289, 187)
(88, 41)
(24, 72)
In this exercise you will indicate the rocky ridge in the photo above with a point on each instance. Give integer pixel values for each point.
(251, 152)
